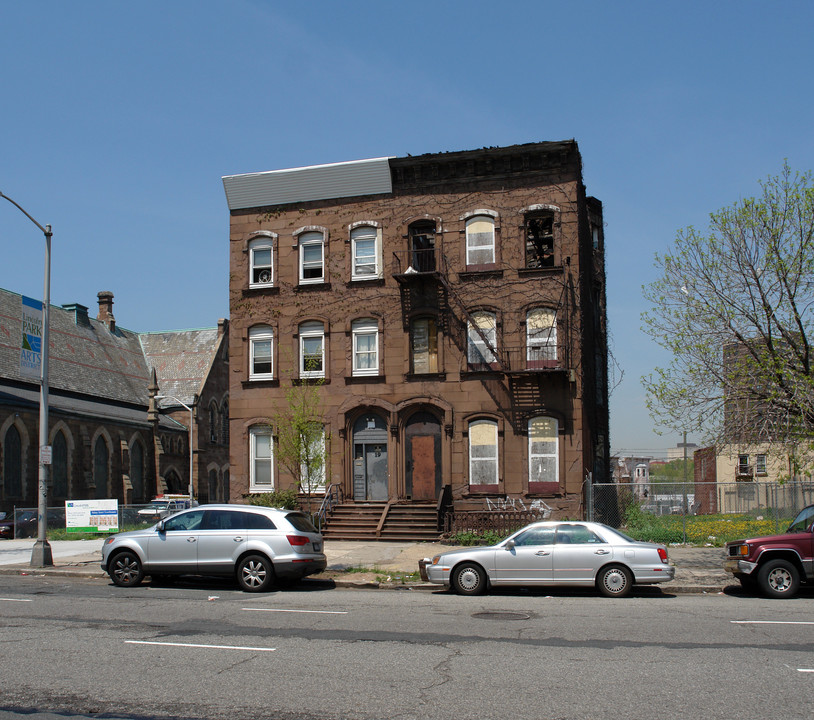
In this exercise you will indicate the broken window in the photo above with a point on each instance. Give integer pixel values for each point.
(422, 246)
(540, 240)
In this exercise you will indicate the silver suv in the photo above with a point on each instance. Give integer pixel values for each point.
(257, 545)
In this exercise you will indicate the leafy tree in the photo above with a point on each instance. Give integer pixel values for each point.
(734, 307)
(301, 440)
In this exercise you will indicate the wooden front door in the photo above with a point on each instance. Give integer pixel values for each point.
(423, 434)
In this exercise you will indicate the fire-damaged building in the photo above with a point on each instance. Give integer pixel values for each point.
(450, 309)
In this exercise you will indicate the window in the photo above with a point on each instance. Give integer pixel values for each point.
(261, 267)
(482, 340)
(423, 346)
(543, 453)
(541, 338)
(421, 235)
(185, 522)
(483, 453)
(59, 466)
(101, 456)
(312, 258)
(261, 346)
(12, 463)
(760, 464)
(365, 347)
(480, 240)
(213, 422)
(312, 465)
(261, 453)
(743, 465)
(224, 423)
(312, 350)
(364, 247)
(540, 240)
(137, 471)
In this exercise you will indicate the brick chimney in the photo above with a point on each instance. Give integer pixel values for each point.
(106, 309)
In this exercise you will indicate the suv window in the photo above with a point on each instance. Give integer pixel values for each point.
(803, 521)
(184, 521)
(300, 522)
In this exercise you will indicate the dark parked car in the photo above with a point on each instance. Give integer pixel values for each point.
(256, 545)
(6, 527)
(775, 565)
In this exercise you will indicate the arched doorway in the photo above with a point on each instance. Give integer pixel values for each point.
(370, 477)
(423, 456)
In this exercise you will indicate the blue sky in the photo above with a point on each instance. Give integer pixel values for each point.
(118, 121)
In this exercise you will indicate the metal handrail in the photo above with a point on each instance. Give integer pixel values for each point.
(334, 495)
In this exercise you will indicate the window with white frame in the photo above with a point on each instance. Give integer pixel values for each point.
(312, 350)
(543, 450)
(261, 454)
(482, 340)
(365, 347)
(541, 338)
(480, 240)
(312, 257)
(364, 241)
(312, 465)
(760, 464)
(261, 262)
(483, 453)
(261, 353)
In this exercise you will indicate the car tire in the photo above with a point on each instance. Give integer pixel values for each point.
(614, 581)
(468, 579)
(778, 579)
(125, 569)
(255, 573)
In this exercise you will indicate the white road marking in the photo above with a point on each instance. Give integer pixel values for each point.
(316, 612)
(16, 599)
(811, 670)
(772, 622)
(194, 645)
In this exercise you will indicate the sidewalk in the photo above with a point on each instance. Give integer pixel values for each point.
(698, 570)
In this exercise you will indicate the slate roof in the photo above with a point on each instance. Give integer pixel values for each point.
(87, 359)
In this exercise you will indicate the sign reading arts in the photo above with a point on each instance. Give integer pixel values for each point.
(92, 516)
(31, 351)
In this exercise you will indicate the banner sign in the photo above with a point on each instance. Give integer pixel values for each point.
(92, 516)
(31, 351)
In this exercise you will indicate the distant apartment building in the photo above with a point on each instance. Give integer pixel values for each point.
(451, 309)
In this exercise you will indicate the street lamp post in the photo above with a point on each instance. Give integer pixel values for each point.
(191, 423)
(41, 553)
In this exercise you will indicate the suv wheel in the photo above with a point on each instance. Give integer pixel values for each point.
(125, 569)
(778, 579)
(255, 573)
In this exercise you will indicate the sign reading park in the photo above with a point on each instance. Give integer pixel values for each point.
(31, 351)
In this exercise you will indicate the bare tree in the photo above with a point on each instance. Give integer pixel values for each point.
(734, 307)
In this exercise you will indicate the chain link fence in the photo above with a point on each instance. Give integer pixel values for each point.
(25, 519)
(698, 513)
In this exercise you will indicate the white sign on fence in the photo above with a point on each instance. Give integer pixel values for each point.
(89, 516)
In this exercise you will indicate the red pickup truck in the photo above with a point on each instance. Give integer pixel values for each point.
(777, 564)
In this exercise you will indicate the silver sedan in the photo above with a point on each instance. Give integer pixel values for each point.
(554, 553)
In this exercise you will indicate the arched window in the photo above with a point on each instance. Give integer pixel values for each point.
(101, 456)
(544, 456)
(137, 471)
(224, 422)
(261, 263)
(213, 422)
(13, 464)
(312, 257)
(421, 235)
(483, 453)
(481, 345)
(541, 338)
(480, 241)
(59, 466)
(213, 486)
(312, 350)
(261, 454)
(364, 240)
(365, 335)
(261, 352)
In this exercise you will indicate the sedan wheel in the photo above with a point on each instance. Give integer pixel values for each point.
(469, 579)
(125, 569)
(778, 579)
(614, 581)
(255, 573)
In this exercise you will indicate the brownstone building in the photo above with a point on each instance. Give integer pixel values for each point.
(101, 379)
(451, 308)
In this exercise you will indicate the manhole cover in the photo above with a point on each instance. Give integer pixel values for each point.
(500, 615)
